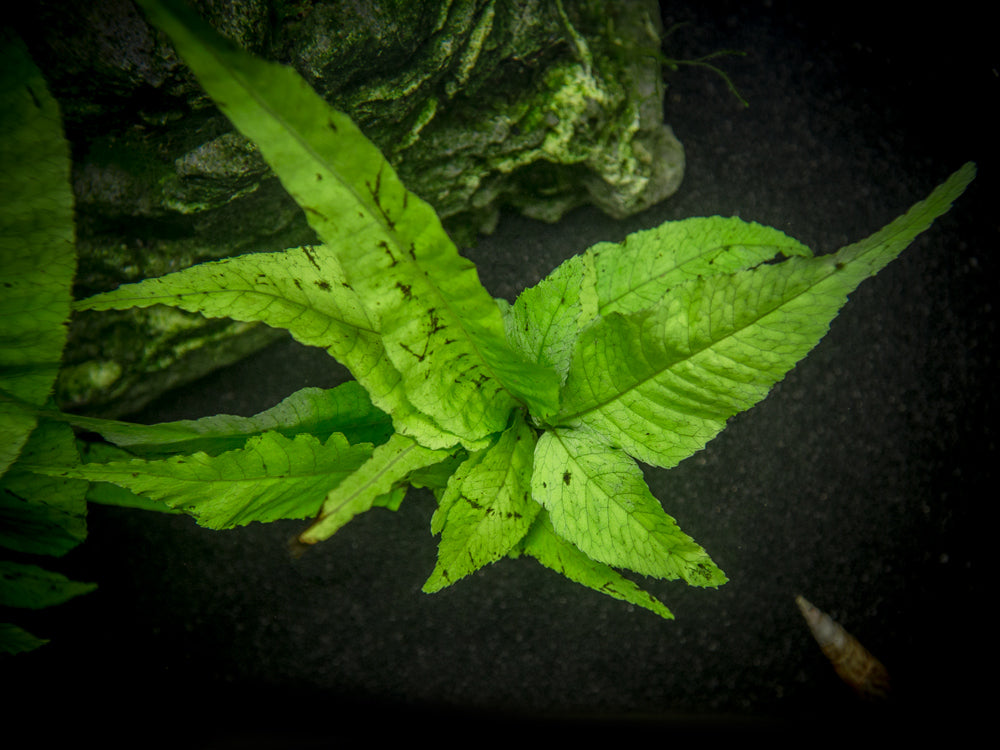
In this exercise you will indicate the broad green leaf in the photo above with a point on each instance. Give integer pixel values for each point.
(320, 412)
(32, 587)
(439, 326)
(597, 500)
(388, 468)
(543, 544)
(661, 382)
(302, 290)
(487, 507)
(273, 477)
(636, 273)
(37, 250)
(43, 515)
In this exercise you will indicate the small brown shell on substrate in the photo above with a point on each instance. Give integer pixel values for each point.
(854, 663)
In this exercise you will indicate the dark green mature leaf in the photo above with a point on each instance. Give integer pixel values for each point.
(43, 515)
(38, 515)
(37, 250)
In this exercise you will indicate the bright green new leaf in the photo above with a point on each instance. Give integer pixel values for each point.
(439, 326)
(636, 273)
(597, 499)
(273, 477)
(543, 544)
(544, 321)
(388, 468)
(661, 382)
(38, 515)
(487, 507)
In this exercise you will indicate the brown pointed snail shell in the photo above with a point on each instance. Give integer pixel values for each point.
(853, 662)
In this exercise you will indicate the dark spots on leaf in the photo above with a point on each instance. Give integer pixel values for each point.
(472, 503)
(413, 251)
(436, 324)
(376, 193)
(567, 477)
(309, 250)
(388, 251)
(319, 177)
(331, 125)
(419, 357)
(297, 283)
(324, 285)
(405, 289)
(840, 265)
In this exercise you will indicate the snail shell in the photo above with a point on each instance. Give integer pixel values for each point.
(852, 661)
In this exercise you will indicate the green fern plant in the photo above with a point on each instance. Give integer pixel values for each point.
(526, 420)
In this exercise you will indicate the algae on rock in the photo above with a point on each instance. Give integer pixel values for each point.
(479, 104)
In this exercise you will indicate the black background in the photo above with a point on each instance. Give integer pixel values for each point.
(861, 482)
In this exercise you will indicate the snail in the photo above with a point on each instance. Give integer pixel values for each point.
(853, 662)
